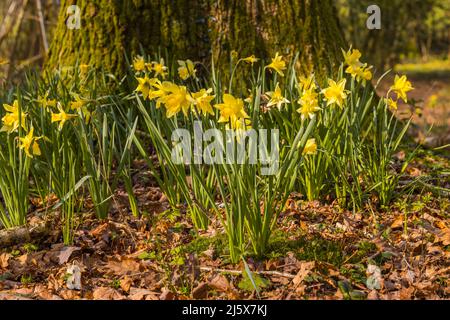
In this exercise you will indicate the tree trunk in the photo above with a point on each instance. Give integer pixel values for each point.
(199, 30)
(309, 27)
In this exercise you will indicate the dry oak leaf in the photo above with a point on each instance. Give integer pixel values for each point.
(167, 295)
(99, 230)
(126, 266)
(4, 258)
(9, 296)
(440, 224)
(67, 294)
(140, 294)
(305, 268)
(398, 222)
(444, 237)
(201, 291)
(126, 283)
(106, 293)
(23, 259)
(65, 253)
(219, 282)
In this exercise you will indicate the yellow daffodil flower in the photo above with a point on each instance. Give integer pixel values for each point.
(159, 68)
(365, 73)
(45, 102)
(159, 90)
(61, 117)
(392, 104)
(360, 73)
(250, 97)
(77, 104)
(335, 93)
(309, 104)
(12, 119)
(234, 54)
(251, 59)
(277, 64)
(145, 85)
(352, 57)
(310, 147)
(84, 68)
(306, 83)
(175, 100)
(356, 68)
(202, 100)
(30, 142)
(81, 105)
(186, 69)
(231, 110)
(139, 64)
(401, 87)
(276, 97)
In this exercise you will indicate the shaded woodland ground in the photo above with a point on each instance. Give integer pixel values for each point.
(319, 249)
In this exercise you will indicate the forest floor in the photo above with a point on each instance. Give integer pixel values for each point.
(429, 102)
(319, 251)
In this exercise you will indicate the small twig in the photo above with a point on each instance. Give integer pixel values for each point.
(42, 25)
(7, 25)
(268, 273)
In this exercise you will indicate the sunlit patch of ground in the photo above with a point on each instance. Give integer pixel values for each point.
(429, 102)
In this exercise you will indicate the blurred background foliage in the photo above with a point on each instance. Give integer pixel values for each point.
(25, 33)
(411, 31)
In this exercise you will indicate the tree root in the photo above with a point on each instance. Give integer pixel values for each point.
(18, 235)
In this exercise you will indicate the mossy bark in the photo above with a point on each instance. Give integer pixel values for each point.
(309, 27)
(112, 28)
(199, 29)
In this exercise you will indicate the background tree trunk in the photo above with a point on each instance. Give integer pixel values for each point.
(111, 28)
(199, 30)
(309, 27)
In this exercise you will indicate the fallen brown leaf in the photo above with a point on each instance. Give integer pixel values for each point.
(305, 268)
(65, 253)
(140, 293)
(201, 291)
(219, 282)
(4, 257)
(398, 222)
(126, 283)
(106, 293)
(444, 237)
(126, 266)
(166, 295)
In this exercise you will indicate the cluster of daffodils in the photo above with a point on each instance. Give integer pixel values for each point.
(158, 68)
(15, 117)
(400, 87)
(178, 98)
(362, 72)
(356, 68)
(186, 68)
(334, 94)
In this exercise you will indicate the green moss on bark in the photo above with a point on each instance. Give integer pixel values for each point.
(258, 27)
(112, 28)
(199, 30)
